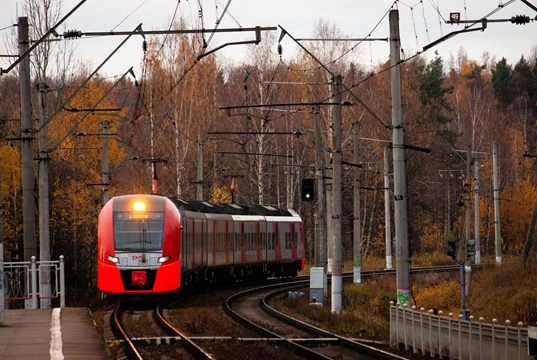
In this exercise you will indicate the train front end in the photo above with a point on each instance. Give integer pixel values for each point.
(139, 246)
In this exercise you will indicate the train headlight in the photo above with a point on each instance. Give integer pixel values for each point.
(112, 259)
(163, 259)
(138, 206)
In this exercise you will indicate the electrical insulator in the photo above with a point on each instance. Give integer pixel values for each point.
(520, 19)
(72, 34)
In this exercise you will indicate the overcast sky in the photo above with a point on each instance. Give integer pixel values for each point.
(421, 22)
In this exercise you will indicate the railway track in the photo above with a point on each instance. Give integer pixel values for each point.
(250, 309)
(156, 335)
(161, 339)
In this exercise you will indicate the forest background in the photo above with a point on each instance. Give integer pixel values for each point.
(174, 109)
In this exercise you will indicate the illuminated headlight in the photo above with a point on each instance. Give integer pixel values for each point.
(138, 206)
(112, 259)
(163, 259)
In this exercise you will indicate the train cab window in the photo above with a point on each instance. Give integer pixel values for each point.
(138, 232)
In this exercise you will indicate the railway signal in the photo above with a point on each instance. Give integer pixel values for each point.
(452, 249)
(470, 249)
(308, 189)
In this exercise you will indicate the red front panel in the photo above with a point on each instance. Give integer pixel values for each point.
(168, 276)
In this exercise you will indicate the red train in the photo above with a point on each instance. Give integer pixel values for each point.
(150, 244)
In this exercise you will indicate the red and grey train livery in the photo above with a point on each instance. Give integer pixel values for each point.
(154, 244)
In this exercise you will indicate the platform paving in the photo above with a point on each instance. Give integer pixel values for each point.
(54, 334)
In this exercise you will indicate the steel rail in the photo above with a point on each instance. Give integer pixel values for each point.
(130, 349)
(193, 348)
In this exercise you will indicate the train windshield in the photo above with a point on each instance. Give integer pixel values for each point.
(138, 232)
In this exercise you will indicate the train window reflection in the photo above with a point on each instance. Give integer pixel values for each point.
(138, 233)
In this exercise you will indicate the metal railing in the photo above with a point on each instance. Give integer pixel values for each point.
(455, 338)
(30, 281)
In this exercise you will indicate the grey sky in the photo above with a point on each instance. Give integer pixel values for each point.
(420, 24)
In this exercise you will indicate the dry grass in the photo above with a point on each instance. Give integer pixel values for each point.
(501, 292)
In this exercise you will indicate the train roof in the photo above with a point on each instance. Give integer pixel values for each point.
(230, 209)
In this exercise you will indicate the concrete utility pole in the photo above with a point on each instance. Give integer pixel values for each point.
(477, 225)
(27, 153)
(399, 167)
(468, 202)
(199, 183)
(357, 241)
(2, 294)
(44, 204)
(329, 233)
(337, 265)
(320, 243)
(496, 183)
(387, 211)
(105, 171)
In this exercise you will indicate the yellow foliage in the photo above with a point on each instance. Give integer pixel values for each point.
(11, 169)
(444, 296)
(221, 195)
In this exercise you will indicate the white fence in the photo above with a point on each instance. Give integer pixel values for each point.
(21, 281)
(454, 338)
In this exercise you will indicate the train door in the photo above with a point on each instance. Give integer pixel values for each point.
(277, 242)
(285, 238)
(184, 242)
(293, 240)
(250, 241)
(238, 227)
(261, 248)
(211, 241)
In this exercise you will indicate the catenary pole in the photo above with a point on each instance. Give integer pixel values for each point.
(357, 241)
(496, 182)
(387, 210)
(44, 203)
(105, 170)
(468, 202)
(320, 244)
(2, 293)
(27, 154)
(337, 264)
(477, 225)
(329, 233)
(399, 167)
(199, 183)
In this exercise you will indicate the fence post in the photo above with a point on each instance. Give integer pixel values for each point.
(414, 349)
(421, 331)
(396, 323)
(449, 334)
(461, 316)
(62, 282)
(507, 323)
(520, 324)
(494, 322)
(440, 351)
(33, 271)
(470, 335)
(481, 319)
(404, 326)
(431, 348)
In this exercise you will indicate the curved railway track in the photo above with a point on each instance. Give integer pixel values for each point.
(251, 309)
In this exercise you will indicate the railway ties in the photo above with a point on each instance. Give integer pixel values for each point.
(251, 309)
(149, 347)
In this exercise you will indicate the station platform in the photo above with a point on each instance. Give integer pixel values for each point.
(54, 334)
